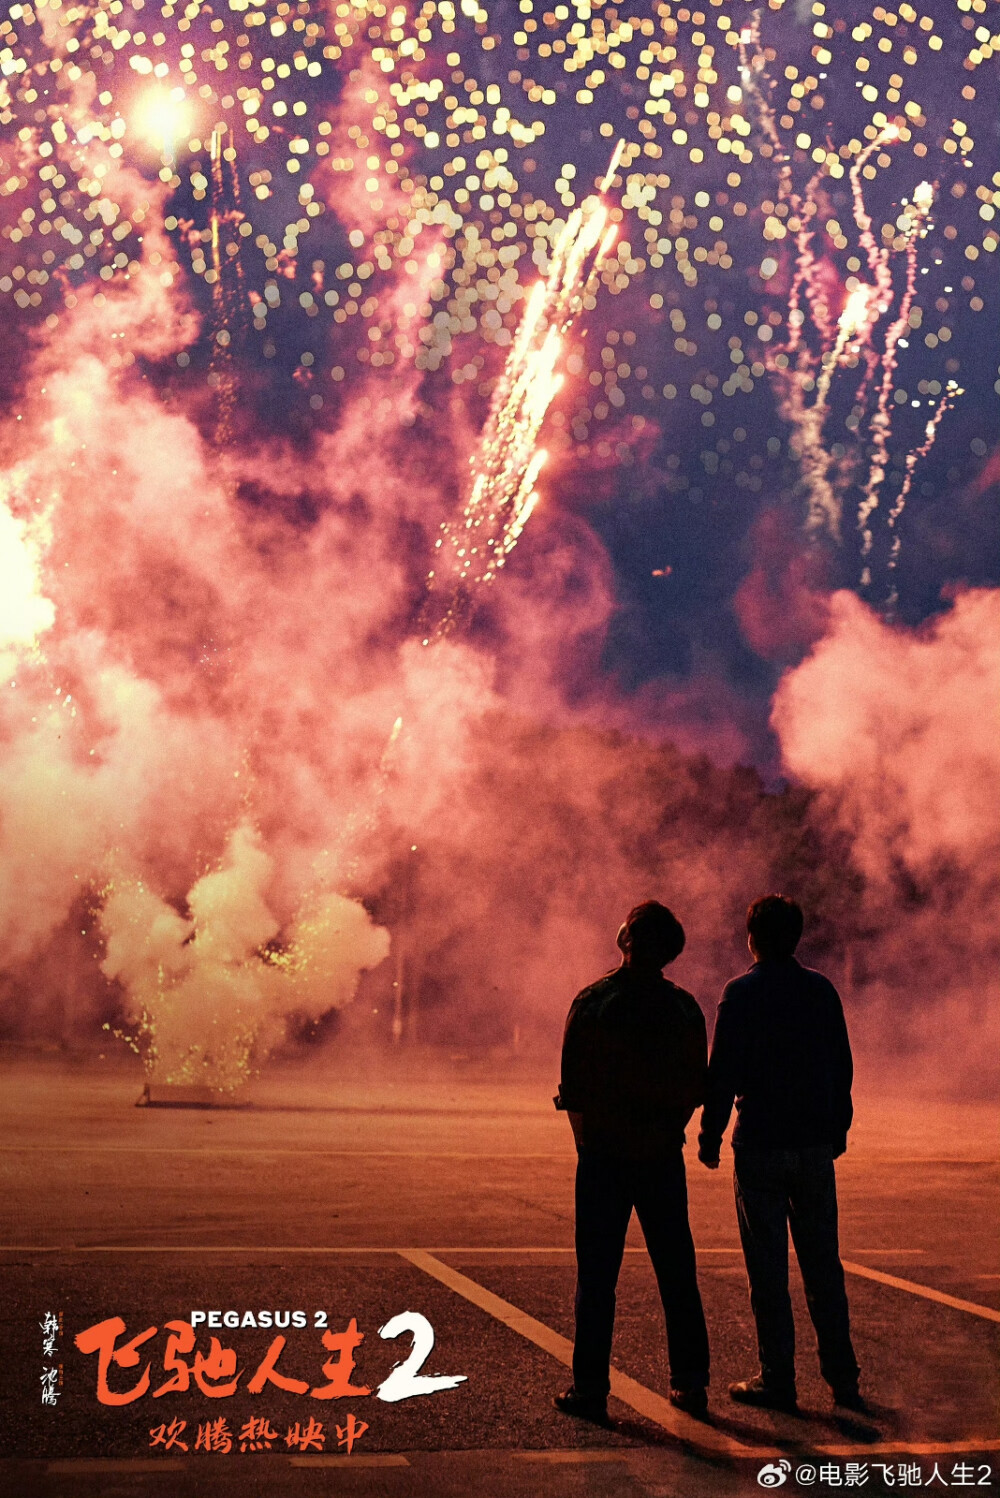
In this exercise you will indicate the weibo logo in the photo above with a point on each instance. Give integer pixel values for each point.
(774, 1474)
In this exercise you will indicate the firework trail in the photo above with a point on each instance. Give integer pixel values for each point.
(799, 370)
(504, 469)
(952, 391)
(227, 285)
(915, 224)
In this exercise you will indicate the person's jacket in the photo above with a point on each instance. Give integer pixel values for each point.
(633, 1064)
(781, 1051)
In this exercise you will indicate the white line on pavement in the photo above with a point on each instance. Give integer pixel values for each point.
(644, 1401)
(115, 1464)
(359, 1248)
(286, 1248)
(582, 1455)
(203, 1152)
(912, 1448)
(374, 1460)
(653, 1406)
(925, 1291)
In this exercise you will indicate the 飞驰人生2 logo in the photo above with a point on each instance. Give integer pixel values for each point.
(774, 1474)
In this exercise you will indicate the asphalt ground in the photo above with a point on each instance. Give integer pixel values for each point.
(446, 1190)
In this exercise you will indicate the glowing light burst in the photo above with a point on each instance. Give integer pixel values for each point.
(505, 468)
(163, 118)
(24, 611)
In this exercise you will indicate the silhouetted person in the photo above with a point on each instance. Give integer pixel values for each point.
(781, 1050)
(633, 1071)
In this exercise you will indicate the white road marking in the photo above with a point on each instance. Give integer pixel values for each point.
(286, 1248)
(639, 1398)
(376, 1459)
(183, 1248)
(82, 1466)
(249, 1149)
(584, 1454)
(924, 1291)
(551, 1249)
(115, 1464)
(911, 1287)
(541, 1249)
(207, 1152)
(644, 1401)
(913, 1448)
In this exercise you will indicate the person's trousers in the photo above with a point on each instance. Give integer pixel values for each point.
(607, 1189)
(775, 1190)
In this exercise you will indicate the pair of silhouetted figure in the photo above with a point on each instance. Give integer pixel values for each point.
(634, 1068)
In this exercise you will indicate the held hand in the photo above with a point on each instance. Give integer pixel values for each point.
(576, 1124)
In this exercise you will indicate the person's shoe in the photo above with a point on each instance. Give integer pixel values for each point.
(763, 1396)
(584, 1408)
(692, 1402)
(850, 1397)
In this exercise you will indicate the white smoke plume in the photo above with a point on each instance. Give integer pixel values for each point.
(898, 731)
(205, 994)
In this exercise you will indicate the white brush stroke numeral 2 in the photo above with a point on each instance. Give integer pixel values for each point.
(406, 1381)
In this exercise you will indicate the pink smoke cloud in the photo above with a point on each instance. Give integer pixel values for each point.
(899, 726)
(782, 605)
(896, 730)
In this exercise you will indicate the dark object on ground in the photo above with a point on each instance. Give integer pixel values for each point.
(763, 1396)
(572, 1403)
(851, 1398)
(692, 1402)
(177, 1095)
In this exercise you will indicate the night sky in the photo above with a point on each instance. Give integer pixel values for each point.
(353, 141)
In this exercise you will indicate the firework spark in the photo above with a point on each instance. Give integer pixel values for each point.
(505, 468)
(913, 226)
(164, 119)
(951, 394)
(800, 367)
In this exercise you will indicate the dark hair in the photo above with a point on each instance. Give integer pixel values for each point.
(654, 933)
(774, 923)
